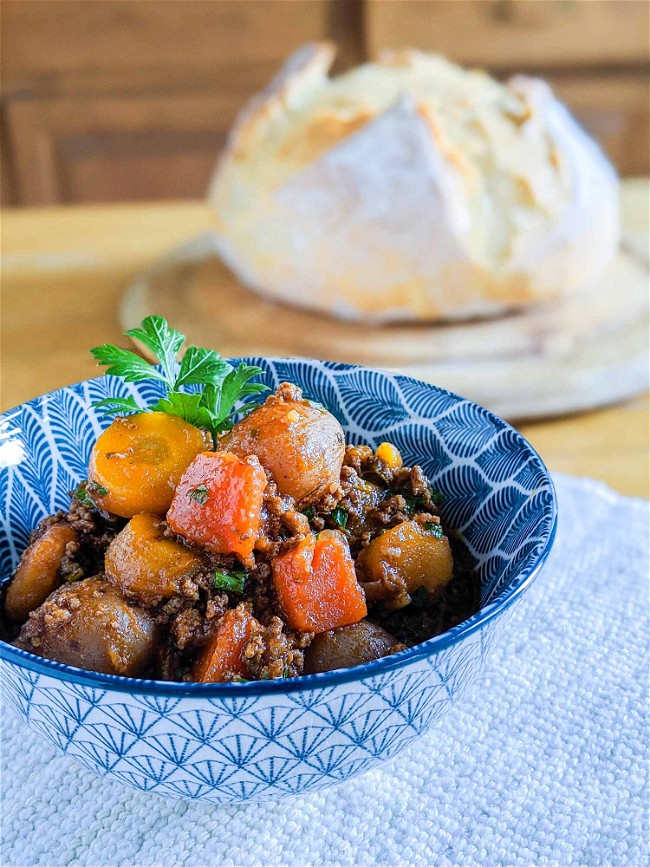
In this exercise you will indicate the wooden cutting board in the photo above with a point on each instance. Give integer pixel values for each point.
(585, 351)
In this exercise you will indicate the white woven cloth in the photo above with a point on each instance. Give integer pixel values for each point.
(546, 762)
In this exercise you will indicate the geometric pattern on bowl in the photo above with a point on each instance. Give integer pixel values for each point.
(233, 742)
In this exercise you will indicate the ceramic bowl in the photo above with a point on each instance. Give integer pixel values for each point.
(258, 740)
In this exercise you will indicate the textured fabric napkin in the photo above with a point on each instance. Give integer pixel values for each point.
(546, 762)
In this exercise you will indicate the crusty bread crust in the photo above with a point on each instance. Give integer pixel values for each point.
(411, 190)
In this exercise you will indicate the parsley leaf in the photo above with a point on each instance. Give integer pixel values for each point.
(237, 385)
(125, 364)
(118, 405)
(200, 494)
(162, 340)
(84, 491)
(200, 366)
(189, 407)
(80, 493)
(223, 386)
(434, 529)
(308, 512)
(411, 504)
(219, 400)
(419, 597)
(75, 575)
(418, 501)
(340, 517)
(233, 581)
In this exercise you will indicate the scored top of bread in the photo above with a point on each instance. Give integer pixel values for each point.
(411, 189)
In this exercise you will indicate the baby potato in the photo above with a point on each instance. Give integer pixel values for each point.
(138, 461)
(143, 564)
(300, 442)
(37, 574)
(348, 646)
(89, 624)
(403, 559)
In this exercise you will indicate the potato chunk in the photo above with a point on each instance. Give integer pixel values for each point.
(143, 564)
(37, 574)
(89, 624)
(403, 559)
(138, 461)
(350, 645)
(300, 442)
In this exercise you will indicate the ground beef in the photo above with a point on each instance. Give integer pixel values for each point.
(94, 529)
(358, 457)
(369, 498)
(286, 392)
(283, 526)
(73, 566)
(93, 526)
(191, 628)
(275, 652)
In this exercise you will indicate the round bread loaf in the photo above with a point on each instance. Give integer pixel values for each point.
(411, 189)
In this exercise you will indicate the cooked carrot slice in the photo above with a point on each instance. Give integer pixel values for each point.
(317, 586)
(38, 572)
(225, 653)
(218, 503)
(138, 461)
(146, 565)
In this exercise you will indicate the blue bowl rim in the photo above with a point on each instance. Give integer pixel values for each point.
(164, 688)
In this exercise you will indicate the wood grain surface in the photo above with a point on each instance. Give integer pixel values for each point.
(582, 352)
(65, 270)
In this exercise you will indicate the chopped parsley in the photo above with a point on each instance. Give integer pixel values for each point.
(74, 576)
(340, 517)
(232, 581)
(199, 494)
(411, 504)
(419, 597)
(434, 529)
(81, 494)
(418, 502)
(308, 512)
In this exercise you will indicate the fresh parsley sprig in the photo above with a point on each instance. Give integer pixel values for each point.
(223, 386)
(233, 581)
(340, 517)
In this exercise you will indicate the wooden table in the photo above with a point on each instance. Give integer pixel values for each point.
(64, 270)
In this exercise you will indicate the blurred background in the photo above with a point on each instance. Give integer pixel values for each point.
(127, 100)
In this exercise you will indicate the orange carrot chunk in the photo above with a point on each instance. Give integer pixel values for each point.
(145, 565)
(218, 503)
(38, 573)
(316, 584)
(224, 655)
(138, 460)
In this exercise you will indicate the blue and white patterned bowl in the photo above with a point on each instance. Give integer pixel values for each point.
(236, 742)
